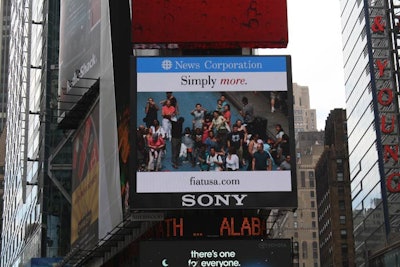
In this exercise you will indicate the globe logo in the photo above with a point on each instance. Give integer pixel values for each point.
(166, 64)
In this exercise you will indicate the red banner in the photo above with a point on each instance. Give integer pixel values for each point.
(209, 24)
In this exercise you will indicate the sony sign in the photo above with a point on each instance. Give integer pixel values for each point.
(206, 200)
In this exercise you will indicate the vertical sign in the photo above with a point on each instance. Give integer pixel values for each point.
(85, 183)
(386, 94)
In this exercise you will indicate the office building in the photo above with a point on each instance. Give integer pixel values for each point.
(302, 224)
(305, 118)
(36, 212)
(4, 59)
(335, 222)
(5, 19)
(370, 52)
(2, 165)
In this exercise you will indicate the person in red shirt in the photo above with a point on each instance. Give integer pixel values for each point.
(156, 146)
(227, 116)
(168, 113)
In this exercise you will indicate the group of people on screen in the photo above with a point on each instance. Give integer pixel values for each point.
(213, 142)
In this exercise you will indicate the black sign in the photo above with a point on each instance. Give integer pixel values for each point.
(243, 253)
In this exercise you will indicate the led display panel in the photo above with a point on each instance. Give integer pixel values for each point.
(244, 253)
(213, 132)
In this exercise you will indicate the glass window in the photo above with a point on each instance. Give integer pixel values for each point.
(339, 177)
(343, 233)
(344, 250)
(314, 234)
(339, 164)
(312, 194)
(312, 182)
(312, 204)
(342, 205)
(303, 179)
(341, 190)
(315, 250)
(304, 250)
(342, 219)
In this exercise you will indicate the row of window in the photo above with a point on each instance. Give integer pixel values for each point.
(310, 177)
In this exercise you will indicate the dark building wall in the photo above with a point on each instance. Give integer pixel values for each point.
(334, 195)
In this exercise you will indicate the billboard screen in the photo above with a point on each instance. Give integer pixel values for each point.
(214, 132)
(244, 253)
(79, 56)
(85, 183)
(209, 24)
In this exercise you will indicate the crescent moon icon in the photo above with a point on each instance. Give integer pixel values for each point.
(164, 263)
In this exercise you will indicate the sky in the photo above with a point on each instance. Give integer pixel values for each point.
(315, 45)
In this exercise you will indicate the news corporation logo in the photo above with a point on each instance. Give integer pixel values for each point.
(166, 64)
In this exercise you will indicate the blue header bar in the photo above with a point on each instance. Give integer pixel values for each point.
(211, 64)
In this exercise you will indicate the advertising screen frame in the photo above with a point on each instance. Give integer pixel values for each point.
(250, 75)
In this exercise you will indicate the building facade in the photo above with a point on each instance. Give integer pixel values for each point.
(302, 225)
(305, 118)
(369, 31)
(5, 20)
(36, 215)
(333, 195)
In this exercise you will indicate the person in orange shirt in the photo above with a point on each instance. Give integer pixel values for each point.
(168, 113)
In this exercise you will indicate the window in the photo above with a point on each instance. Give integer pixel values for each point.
(341, 190)
(304, 250)
(344, 250)
(312, 204)
(295, 225)
(313, 224)
(311, 177)
(296, 234)
(303, 179)
(342, 219)
(343, 233)
(313, 214)
(314, 234)
(339, 177)
(315, 250)
(312, 194)
(339, 164)
(342, 205)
